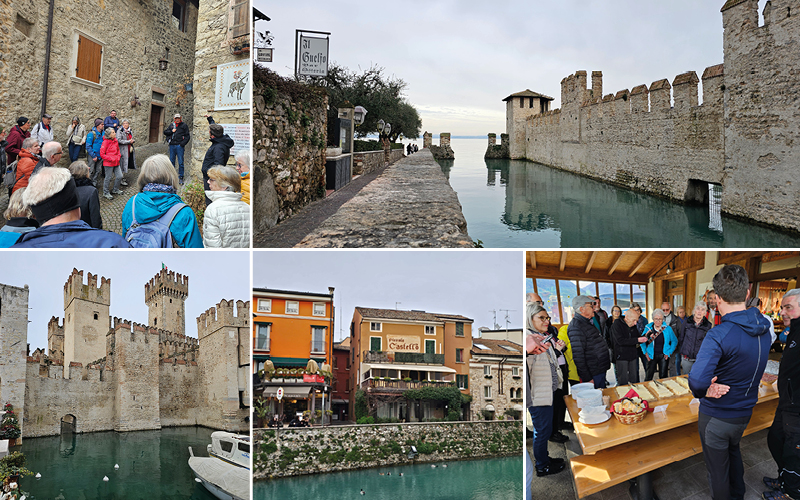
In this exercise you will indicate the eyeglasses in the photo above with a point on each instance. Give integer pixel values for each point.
(543, 318)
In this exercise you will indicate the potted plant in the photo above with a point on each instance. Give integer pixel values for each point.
(9, 426)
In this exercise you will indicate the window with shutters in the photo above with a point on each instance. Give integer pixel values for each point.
(238, 22)
(88, 59)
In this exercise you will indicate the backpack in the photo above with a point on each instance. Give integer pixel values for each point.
(10, 176)
(155, 234)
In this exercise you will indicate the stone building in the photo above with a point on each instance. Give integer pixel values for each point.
(742, 137)
(147, 60)
(496, 375)
(105, 373)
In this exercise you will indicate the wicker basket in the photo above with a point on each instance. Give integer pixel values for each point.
(631, 418)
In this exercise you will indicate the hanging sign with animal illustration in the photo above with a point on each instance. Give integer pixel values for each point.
(233, 85)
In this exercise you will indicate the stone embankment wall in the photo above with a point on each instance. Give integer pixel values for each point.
(297, 451)
(289, 138)
(369, 161)
(497, 151)
(443, 151)
(635, 139)
(410, 204)
(660, 140)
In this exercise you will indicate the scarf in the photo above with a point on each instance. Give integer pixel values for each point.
(159, 188)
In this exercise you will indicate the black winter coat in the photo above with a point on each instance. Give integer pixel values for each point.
(180, 136)
(789, 372)
(589, 349)
(675, 324)
(691, 335)
(626, 340)
(89, 200)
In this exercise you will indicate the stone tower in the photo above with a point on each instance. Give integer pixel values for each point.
(224, 335)
(165, 296)
(55, 340)
(136, 377)
(13, 346)
(520, 107)
(86, 318)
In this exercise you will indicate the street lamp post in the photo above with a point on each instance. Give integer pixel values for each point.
(384, 129)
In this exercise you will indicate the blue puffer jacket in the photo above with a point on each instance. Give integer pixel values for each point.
(75, 234)
(150, 205)
(736, 352)
(94, 141)
(670, 341)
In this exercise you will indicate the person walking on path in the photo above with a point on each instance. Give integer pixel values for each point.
(125, 140)
(178, 134)
(217, 153)
(111, 121)
(94, 142)
(43, 131)
(18, 133)
(784, 434)
(77, 138)
(725, 378)
(109, 151)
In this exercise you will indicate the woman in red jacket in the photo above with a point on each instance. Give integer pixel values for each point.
(110, 154)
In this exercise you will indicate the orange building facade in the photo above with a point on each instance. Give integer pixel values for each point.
(393, 351)
(290, 329)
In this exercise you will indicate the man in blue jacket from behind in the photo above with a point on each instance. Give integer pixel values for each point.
(726, 377)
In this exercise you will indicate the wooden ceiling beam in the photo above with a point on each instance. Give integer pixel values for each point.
(666, 260)
(591, 262)
(563, 263)
(532, 259)
(552, 272)
(639, 263)
(616, 263)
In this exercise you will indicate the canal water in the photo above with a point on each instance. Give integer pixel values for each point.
(497, 478)
(520, 204)
(152, 465)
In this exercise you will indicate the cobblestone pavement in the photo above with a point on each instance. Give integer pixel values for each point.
(111, 210)
(292, 231)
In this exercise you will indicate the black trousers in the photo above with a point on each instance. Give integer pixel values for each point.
(783, 440)
(720, 438)
(657, 363)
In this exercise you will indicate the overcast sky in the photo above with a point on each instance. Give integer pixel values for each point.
(213, 276)
(471, 284)
(460, 58)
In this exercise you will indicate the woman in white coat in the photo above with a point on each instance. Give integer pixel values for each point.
(227, 218)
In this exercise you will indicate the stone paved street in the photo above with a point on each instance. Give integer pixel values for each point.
(111, 210)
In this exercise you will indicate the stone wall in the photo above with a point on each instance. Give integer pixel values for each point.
(409, 205)
(134, 36)
(443, 151)
(297, 451)
(289, 138)
(497, 151)
(368, 161)
(211, 50)
(501, 400)
(180, 401)
(13, 344)
(623, 139)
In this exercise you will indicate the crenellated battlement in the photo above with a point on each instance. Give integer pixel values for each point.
(166, 283)
(74, 288)
(223, 315)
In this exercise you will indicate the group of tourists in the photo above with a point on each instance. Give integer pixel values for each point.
(411, 148)
(50, 206)
(723, 347)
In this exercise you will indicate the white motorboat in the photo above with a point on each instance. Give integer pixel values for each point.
(225, 472)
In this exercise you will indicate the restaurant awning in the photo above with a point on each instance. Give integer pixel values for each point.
(289, 392)
(420, 368)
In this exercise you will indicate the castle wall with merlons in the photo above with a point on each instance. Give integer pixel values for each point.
(13, 345)
(181, 400)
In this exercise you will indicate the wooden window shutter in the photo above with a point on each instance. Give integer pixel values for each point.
(239, 20)
(90, 56)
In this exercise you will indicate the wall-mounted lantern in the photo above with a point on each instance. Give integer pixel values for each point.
(162, 64)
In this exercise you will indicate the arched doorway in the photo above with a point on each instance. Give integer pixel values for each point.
(69, 424)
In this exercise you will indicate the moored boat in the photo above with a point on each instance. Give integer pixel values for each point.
(226, 471)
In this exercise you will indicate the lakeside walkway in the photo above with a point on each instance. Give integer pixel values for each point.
(410, 204)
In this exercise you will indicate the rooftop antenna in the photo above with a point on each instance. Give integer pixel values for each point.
(395, 305)
(507, 311)
(494, 319)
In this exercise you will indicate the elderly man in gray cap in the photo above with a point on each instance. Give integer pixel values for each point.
(589, 349)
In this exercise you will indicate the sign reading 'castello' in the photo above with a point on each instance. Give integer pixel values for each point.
(402, 344)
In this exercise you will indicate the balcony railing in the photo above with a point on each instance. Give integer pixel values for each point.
(401, 385)
(419, 358)
(378, 357)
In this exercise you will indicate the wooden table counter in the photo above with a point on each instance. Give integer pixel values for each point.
(594, 438)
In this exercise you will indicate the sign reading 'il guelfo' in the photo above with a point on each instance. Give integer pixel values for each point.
(312, 56)
(398, 343)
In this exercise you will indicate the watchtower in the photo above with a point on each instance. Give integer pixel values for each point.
(165, 296)
(520, 107)
(86, 314)
(13, 346)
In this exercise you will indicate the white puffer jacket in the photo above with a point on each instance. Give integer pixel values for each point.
(227, 221)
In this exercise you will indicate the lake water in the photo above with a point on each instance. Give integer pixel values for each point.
(496, 479)
(152, 465)
(520, 204)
